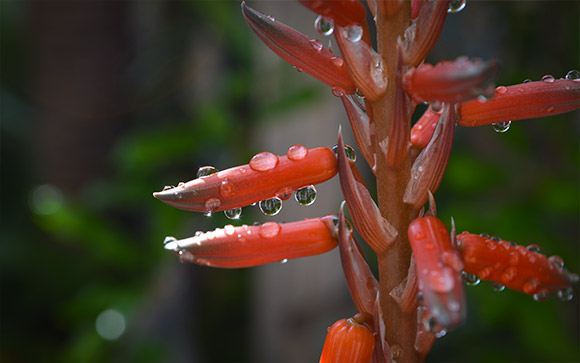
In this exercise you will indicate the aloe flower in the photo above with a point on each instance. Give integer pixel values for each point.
(419, 294)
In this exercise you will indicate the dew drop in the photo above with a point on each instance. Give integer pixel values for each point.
(470, 279)
(337, 92)
(533, 248)
(485, 235)
(296, 152)
(542, 295)
(167, 187)
(337, 61)
(377, 71)
(456, 6)
(243, 170)
(229, 230)
(557, 260)
(433, 327)
(284, 261)
(186, 256)
(396, 352)
(211, 205)
(530, 285)
(284, 193)
(226, 189)
(566, 294)
(348, 150)
(264, 161)
(500, 90)
(306, 195)
(323, 25)
(573, 75)
(419, 235)
(550, 109)
(269, 229)
(271, 207)
(501, 127)
(233, 213)
(527, 80)
(497, 287)
(169, 239)
(316, 44)
(207, 214)
(548, 78)
(437, 106)
(205, 171)
(353, 33)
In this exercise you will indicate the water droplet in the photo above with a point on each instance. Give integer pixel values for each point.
(226, 189)
(269, 229)
(323, 25)
(306, 195)
(573, 75)
(509, 274)
(337, 92)
(243, 170)
(348, 150)
(396, 352)
(316, 44)
(212, 204)
(337, 61)
(264, 161)
(353, 33)
(377, 71)
(271, 207)
(298, 69)
(541, 295)
(500, 90)
(186, 256)
(433, 327)
(501, 127)
(297, 152)
(566, 294)
(284, 193)
(233, 213)
(548, 78)
(419, 235)
(169, 239)
(167, 187)
(205, 171)
(456, 6)
(527, 80)
(284, 261)
(497, 286)
(533, 248)
(207, 214)
(550, 109)
(470, 279)
(229, 230)
(485, 235)
(557, 260)
(437, 106)
(495, 238)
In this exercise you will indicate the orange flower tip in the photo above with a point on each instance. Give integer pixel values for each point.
(307, 55)
(348, 341)
(451, 81)
(342, 12)
(543, 98)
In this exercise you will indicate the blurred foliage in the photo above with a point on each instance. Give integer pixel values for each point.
(74, 253)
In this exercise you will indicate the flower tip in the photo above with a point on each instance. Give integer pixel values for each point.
(171, 246)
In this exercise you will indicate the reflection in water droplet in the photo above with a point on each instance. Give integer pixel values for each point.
(269, 229)
(573, 75)
(233, 213)
(264, 161)
(324, 26)
(527, 80)
(566, 294)
(297, 152)
(284, 193)
(110, 324)
(497, 286)
(548, 78)
(542, 295)
(557, 260)
(271, 207)
(353, 33)
(348, 150)
(205, 171)
(470, 279)
(316, 44)
(533, 248)
(377, 71)
(337, 92)
(500, 90)
(226, 189)
(306, 195)
(501, 127)
(456, 6)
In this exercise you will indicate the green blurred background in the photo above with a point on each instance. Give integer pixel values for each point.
(104, 102)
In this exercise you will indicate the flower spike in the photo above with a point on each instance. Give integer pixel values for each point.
(297, 49)
(265, 177)
(343, 12)
(349, 340)
(363, 286)
(514, 266)
(246, 246)
(527, 100)
(439, 269)
(450, 81)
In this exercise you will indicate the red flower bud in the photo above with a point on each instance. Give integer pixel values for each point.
(348, 340)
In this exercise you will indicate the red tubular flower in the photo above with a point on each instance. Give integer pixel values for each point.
(305, 54)
(266, 176)
(348, 340)
(343, 12)
(360, 124)
(514, 266)
(422, 130)
(527, 100)
(439, 268)
(246, 246)
(450, 81)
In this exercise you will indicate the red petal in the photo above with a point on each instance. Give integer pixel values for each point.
(423, 129)
(246, 246)
(343, 12)
(348, 341)
(297, 49)
(522, 101)
(450, 81)
(265, 177)
(361, 129)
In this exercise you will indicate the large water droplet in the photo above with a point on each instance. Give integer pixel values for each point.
(548, 78)
(306, 195)
(377, 71)
(229, 230)
(566, 294)
(500, 90)
(316, 44)
(470, 279)
(542, 295)
(533, 248)
(456, 6)
(264, 161)
(211, 205)
(323, 25)
(233, 213)
(501, 127)
(205, 171)
(169, 239)
(271, 207)
(348, 150)
(284, 193)
(353, 33)
(269, 229)
(573, 75)
(297, 152)
(557, 260)
(497, 286)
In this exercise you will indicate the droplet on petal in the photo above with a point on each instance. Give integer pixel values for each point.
(353, 33)
(205, 171)
(316, 44)
(470, 279)
(456, 6)
(573, 75)
(541, 296)
(501, 127)
(271, 207)
(233, 213)
(269, 229)
(566, 294)
(548, 78)
(306, 195)
(264, 161)
(212, 204)
(348, 150)
(323, 25)
(297, 152)
(497, 287)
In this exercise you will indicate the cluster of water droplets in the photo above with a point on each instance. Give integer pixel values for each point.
(456, 6)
